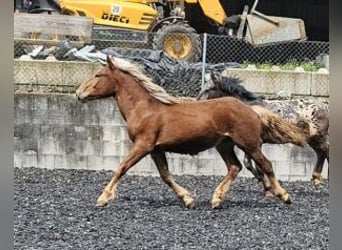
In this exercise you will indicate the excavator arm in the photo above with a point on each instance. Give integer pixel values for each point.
(211, 9)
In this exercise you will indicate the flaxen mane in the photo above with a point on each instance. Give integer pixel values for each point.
(154, 90)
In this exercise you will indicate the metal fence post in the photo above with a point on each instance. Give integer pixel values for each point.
(204, 53)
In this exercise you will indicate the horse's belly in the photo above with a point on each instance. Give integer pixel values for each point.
(192, 146)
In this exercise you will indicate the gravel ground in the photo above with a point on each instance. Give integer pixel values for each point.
(54, 209)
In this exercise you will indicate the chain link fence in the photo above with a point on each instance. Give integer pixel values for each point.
(228, 49)
(178, 77)
(219, 49)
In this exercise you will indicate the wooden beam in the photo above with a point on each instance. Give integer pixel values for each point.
(52, 24)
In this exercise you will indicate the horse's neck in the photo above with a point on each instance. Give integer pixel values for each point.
(132, 99)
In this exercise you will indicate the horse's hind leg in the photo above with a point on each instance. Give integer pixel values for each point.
(161, 162)
(257, 172)
(320, 143)
(226, 150)
(247, 160)
(322, 154)
(138, 152)
(266, 167)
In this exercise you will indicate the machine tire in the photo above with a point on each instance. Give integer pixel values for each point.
(182, 35)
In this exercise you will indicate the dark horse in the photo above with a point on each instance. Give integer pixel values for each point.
(159, 123)
(315, 114)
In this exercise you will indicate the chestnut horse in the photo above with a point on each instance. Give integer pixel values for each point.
(158, 123)
(314, 113)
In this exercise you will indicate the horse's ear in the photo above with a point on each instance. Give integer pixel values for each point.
(110, 63)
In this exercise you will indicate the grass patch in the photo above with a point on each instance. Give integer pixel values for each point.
(291, 65)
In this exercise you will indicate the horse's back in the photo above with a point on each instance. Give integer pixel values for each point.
(225, 108)
(298, 109)
(203, 124)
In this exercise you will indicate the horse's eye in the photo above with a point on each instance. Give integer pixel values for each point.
(98, 75)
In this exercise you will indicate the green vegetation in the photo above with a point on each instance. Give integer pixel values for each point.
(290, 65)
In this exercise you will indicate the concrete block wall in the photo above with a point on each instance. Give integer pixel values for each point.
(56, 131)
(51, 76)
(64, 76)
(272, 82)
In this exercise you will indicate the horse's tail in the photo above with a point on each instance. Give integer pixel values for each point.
(276, 130)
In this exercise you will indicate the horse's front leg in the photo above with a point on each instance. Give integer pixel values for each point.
(226, 151)
(137, 153)
(183, 194)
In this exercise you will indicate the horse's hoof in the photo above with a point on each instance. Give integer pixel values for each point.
(189, 202)
(269, 195)
(317, 181)
(317, 184)
(101, 203)
(104, 199)
(286, 198)
(216, 203)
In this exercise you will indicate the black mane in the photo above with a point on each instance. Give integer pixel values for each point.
(231, 86)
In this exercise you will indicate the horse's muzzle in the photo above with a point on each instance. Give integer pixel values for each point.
(79, 98)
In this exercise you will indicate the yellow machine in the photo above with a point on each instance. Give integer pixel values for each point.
(166, 18)
(137, 14)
